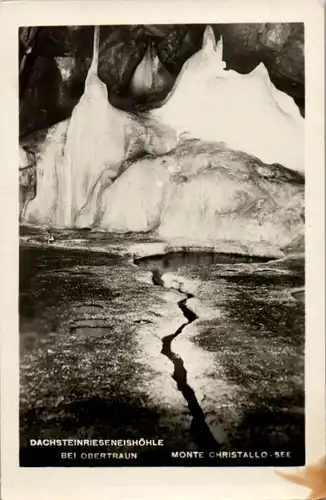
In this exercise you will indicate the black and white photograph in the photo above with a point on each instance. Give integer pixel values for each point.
(162, 245)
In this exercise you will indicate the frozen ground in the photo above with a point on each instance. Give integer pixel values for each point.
(93, 325)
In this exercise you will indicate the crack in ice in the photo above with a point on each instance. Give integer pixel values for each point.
(200, 430)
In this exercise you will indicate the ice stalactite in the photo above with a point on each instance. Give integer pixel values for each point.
(150, 75)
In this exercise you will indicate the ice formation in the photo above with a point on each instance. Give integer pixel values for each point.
(247, 112)
(150, 75)
(205, 193)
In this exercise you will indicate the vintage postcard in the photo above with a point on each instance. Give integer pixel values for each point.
(163, 262)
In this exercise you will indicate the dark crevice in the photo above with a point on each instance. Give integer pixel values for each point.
(188, 313)
(88, 304)
(200, 430)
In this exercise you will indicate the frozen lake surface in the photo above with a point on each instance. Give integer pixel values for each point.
(202, 350)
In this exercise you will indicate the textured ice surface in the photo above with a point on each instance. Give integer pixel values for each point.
(204, 192)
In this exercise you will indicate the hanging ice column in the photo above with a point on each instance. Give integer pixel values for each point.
(246, 112)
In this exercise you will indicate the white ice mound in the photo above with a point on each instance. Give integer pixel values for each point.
(92, 128)
(205, 192)
(142, 190)
(247, 112)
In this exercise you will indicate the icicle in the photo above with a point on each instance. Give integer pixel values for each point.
(142, 79)
(219, 53)
(209, 42)
(162, 78)
(96, 49)
(150, 75)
